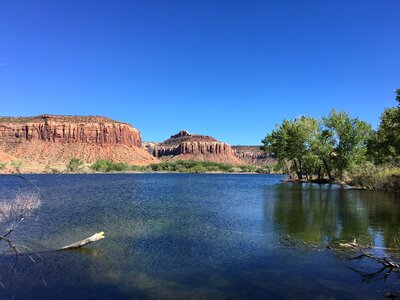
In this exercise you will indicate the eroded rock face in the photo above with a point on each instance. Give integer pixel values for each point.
(253, 155)
(185, 145)
(68, 129)
(53, 140)
(195, 147)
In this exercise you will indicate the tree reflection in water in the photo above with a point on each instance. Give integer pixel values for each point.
(326, 214)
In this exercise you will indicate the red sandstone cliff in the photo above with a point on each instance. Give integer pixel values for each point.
(55, 139)
(253, 155)
(187, 146)
(51, 139)
(68, 129)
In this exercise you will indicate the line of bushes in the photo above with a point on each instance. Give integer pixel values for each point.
(104, 165)
(179, 166)
(190, 166)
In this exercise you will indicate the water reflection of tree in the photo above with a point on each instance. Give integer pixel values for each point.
(383, 211)
(326, 213)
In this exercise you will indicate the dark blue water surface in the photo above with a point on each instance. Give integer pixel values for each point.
(199, 236)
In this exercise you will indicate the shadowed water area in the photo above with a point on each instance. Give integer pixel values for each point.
(199, 236)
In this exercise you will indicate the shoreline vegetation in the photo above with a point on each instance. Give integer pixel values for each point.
(382, 179)
(76, 165)
(180, 166)
(340, 149)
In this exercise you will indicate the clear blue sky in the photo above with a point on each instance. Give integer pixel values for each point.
(230, 69)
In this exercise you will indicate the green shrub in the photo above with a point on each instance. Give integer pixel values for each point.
(74, 165)
(248, 168)
(180, 166)
(119, 167)
(17, 164)
(263, 170)
(104, 165)
(139, 168)
(199, 169)
(190, 166)
(50, 170)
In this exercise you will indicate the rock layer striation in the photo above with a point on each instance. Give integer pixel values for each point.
(253, 155)
(185, 145)
(68, 129)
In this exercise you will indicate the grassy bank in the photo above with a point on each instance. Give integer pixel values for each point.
(371, 177)
(366, 176)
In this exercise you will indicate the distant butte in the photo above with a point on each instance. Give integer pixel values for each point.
(185, 145)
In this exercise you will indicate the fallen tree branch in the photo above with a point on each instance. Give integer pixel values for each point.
(387, 262)
(91, 239)
(380, 274)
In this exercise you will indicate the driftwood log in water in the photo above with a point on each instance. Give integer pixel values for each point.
(91, 239)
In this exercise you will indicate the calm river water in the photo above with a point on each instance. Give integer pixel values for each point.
(199, 236)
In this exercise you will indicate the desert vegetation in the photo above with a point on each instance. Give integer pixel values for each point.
(179, 166)
(74, 165)
(3, 165)
(17, 165)
(190, 166)
(105, 165)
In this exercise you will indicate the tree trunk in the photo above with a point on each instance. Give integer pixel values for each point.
(328, 170)
(298, 170)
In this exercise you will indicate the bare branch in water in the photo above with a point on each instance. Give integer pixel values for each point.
(13, 212)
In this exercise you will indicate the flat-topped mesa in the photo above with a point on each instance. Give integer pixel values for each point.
(68, 129)
(185, 145)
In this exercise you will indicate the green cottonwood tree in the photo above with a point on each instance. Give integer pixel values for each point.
(307, 146)
(350, 137)
(291, 143)
(384, 147)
